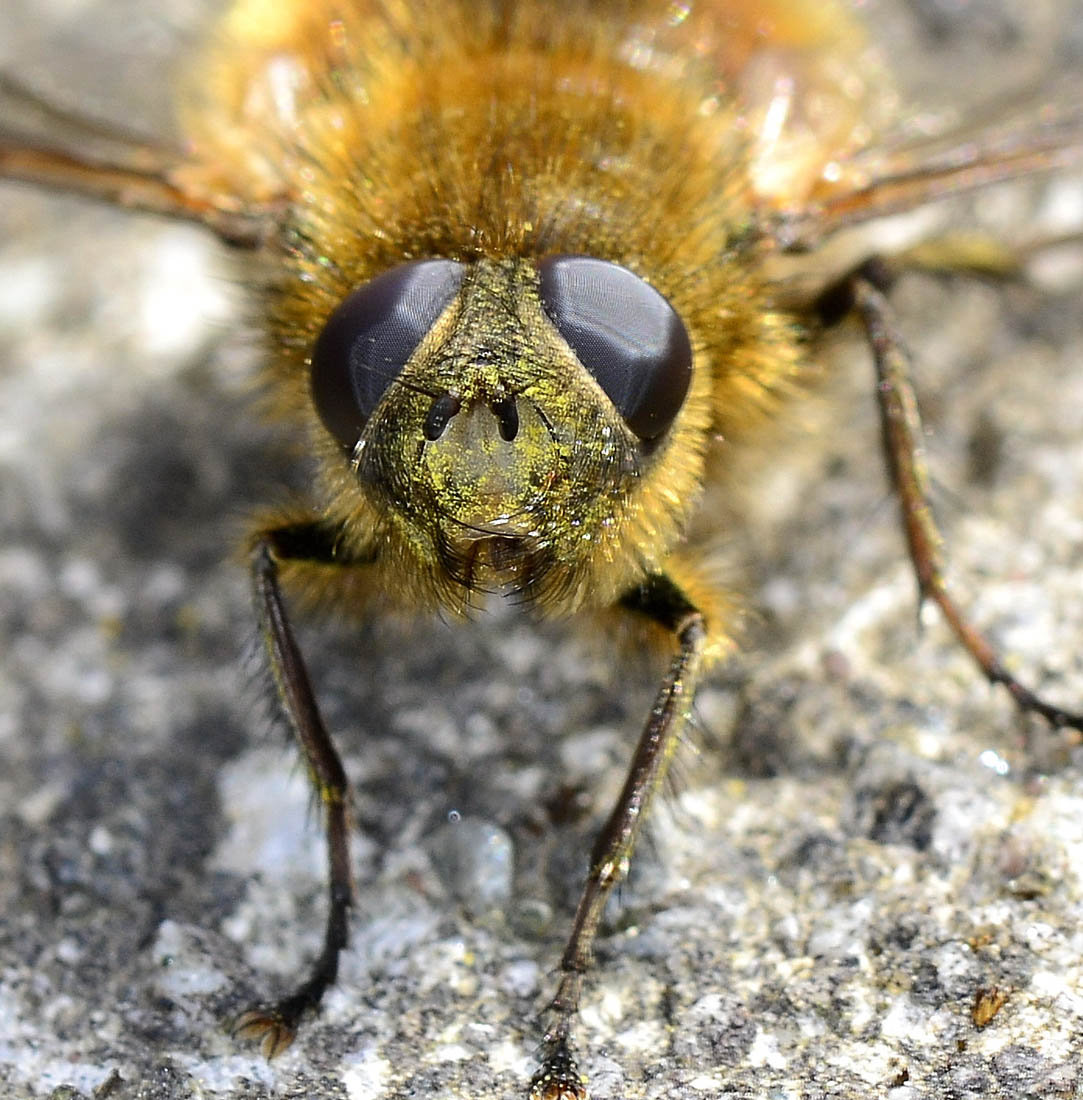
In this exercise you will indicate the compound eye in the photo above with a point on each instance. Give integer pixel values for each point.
(625, 333)
(368, 339)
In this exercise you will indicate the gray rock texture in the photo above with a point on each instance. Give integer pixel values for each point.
(858, 863)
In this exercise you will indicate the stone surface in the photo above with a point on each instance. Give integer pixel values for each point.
(857, 860)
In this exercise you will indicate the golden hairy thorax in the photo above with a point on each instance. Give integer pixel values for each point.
(650, 134)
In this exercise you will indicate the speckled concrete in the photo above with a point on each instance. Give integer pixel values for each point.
(855, 858)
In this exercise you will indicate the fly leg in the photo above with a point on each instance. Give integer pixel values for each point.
(275, 1025)
(662, 600)
(902, 433)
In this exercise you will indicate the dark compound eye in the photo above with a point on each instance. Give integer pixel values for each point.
(367, 340)
(625, 333)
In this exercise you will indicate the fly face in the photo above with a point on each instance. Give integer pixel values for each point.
(499, 414)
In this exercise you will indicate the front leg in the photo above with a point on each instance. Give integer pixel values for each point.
(275, 1025)
(661, 600)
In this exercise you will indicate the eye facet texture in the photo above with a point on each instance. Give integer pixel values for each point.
(368, 339)
(625, 333)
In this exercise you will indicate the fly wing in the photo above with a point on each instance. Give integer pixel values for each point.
(1037, 132)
